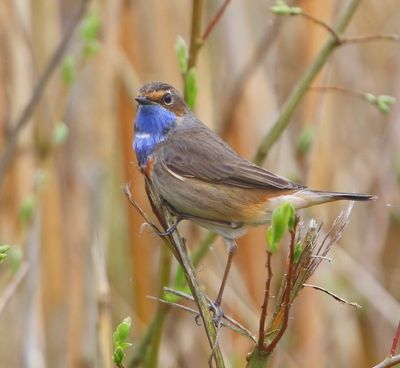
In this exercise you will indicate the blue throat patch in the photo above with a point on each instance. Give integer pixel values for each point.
(152, 125)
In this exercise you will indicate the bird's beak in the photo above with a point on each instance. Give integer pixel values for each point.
(142, 100)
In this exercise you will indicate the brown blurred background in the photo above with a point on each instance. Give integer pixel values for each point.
(79, 262)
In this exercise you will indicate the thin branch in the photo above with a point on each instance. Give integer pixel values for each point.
(334, 296)
(372, 38)
(215, 20)
(27, 112)
(240, 83)
(302, 86)
(343, 90)
(389, 362)
(13, 285)
(180, 251)
(195, 36)
(264, 308)
(233, 324)
(395, 343)
(128, 193)
(324, 25)
(270, 348)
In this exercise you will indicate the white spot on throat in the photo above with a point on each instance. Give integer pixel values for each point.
(142, 135)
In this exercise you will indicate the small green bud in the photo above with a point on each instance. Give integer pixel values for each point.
(281, 8)
(60, 133)
(91, 48)
(370, 98)
(305, 140)
(272, 245)
(91, 26)
(298, 250)
(68, 69)
(118, 356)
(26, 210)
(385, 102)
(182, 54)
(191, 87)
(289, 215)
(122, 331)
(3, 252)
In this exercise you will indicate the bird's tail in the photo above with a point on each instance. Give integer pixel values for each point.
(313, 197)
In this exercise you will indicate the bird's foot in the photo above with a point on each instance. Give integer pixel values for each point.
(169, 231)
(217, 311)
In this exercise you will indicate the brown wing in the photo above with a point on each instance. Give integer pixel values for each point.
(198, 152)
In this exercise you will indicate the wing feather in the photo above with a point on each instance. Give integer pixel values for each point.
(197, 152)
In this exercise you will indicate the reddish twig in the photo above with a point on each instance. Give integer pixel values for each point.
(264, 308)
(395, 343)
(372, 38)
(51, 67)
(269, 349)
(215, 20)
(343, 90)
(324, 25)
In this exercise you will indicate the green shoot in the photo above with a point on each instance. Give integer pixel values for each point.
(119, 338)
(383, 102)
(283, 218)
(281, 8)
(3, 252)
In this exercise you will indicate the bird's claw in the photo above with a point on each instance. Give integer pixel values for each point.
(217, 311)
(169, 231)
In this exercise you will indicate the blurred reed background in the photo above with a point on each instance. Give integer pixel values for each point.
(79, 262)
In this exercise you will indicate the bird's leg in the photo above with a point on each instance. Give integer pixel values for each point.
(218, 313)
(171, 229)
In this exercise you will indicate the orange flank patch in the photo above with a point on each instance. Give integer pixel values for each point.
(147, 170)
(257, 202)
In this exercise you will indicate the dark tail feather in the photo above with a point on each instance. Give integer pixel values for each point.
(347, 196)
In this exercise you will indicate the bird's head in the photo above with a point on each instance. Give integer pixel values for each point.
(160, 108)
(158, 94)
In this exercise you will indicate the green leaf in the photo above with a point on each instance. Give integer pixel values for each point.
(298, 250)
(384, 102)
(173, 298)
(68, 69)
(91, 26)
(3, 252)
(272, 245)
(279, 223)
(26, 210)
(122, 331)
(370, 98)
(289, 215)
(182, 54)
(60, 133)
(191, 88)
(281, 8)
(283, 218)
(305, 140)
(118, 356)
(91, 48)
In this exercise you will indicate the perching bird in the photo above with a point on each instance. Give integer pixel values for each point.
(202, 179)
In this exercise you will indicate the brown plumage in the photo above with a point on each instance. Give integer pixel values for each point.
(203, 179)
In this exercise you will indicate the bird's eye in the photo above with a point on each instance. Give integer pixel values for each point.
(167, 99)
